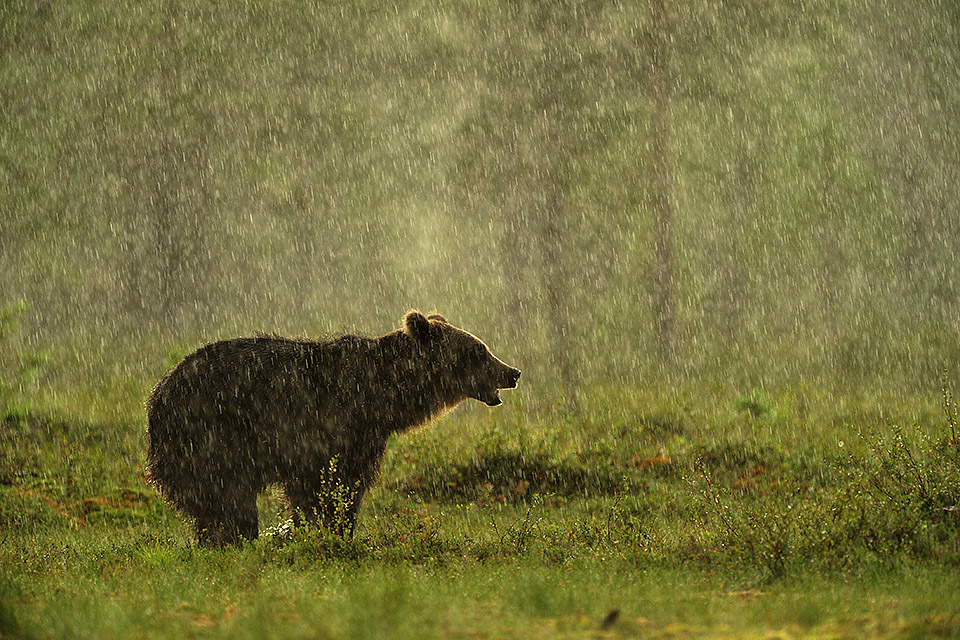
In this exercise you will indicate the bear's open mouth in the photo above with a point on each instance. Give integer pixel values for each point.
(490, 397)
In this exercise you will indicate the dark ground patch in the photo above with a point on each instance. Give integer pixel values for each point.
(511, 477)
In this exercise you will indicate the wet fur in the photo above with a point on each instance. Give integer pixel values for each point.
(237, 415)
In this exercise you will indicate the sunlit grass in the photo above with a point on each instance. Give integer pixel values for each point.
(696, 520)
(121, 586)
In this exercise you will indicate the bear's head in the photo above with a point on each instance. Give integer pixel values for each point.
(462, 361)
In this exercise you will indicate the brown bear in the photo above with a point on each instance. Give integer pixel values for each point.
(237, 415)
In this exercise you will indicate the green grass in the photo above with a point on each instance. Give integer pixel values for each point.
(737, 516)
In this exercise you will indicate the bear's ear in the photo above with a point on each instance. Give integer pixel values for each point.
(416, 325)
(436, 316)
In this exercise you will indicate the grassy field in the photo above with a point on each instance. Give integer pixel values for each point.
(694, 515)
(719, 238)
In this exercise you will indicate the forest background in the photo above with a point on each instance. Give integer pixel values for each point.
(720, 239)
(732, 194)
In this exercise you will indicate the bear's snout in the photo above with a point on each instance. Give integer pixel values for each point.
(513, 376)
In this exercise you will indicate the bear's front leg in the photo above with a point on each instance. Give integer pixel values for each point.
(303, 500)
(339, 514)
(334, 504)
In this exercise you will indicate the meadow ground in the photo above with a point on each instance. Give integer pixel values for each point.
(694, 515)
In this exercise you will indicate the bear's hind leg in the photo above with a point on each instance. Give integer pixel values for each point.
(230, 525)
(247, 521)
(211, 533)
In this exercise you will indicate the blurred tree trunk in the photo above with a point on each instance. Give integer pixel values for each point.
(175, 205)
(536, 116)
(557, 101)
(301, 227)
(535, 240)
(555, 283)
(663, 203)
(515, 258)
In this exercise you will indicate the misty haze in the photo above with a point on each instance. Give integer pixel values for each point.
(719, 238)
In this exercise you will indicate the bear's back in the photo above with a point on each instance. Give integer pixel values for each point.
(228, 372)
